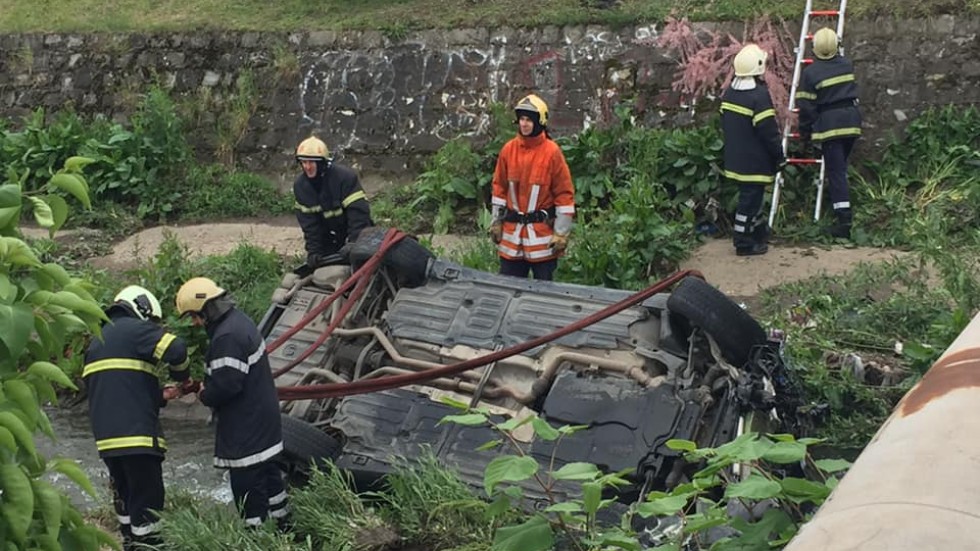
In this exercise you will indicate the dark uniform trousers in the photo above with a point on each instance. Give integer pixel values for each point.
(544, 271)
(137, 487)
(260, 493)
(836, 153)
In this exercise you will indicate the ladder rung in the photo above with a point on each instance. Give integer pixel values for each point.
(807, 60)
(794, 161)
(824, 12)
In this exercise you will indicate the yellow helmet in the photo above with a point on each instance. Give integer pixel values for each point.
(141, 301)
(195, 293)
(533, 104)
(312, 149)
(825, 43)
(750, 61)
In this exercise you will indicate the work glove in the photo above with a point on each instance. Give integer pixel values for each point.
(559, 243)
(496, 231)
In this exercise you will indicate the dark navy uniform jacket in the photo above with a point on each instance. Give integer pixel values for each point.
(827, 99)
(238, 386)
(121, 375)
(753, 151)
(331, 209)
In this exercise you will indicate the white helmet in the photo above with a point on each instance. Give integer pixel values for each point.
(142, 302)
(750, 61)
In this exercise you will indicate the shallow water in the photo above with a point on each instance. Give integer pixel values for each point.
(190, 443)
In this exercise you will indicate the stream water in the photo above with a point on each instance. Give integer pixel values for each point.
(188, 466)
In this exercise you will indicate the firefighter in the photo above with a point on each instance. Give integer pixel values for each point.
(238, 387)
(125, 397)
(330, 205)
(753, 154)
(830, 118)
(533, 197)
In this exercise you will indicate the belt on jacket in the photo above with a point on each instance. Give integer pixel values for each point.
(837, 105)
(535, 217)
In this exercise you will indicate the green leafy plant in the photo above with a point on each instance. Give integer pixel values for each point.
(504, 478)
(451, 178)
(746, 476)
(43, 310)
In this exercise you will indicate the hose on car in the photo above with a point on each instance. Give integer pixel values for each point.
(334, 390)
(359, 280)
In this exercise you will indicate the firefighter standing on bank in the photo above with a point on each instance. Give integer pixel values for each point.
(533, 197)
(238, 387)
(125, 398)
(331, 207)
(829, 117)
(753, 153)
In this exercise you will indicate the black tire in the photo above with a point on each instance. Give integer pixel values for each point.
(408, 260)
(305, 444)
(735, 331)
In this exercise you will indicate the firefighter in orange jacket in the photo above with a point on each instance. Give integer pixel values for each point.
(533, 197)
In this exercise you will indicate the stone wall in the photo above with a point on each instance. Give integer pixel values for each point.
(384, 104)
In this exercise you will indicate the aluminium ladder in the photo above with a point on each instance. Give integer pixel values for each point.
(805, 36)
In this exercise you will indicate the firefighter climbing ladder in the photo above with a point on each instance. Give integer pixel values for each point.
(805, 36)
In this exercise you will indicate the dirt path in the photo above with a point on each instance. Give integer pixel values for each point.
(736, 276)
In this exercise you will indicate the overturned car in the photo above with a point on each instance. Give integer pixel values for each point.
(690, 364)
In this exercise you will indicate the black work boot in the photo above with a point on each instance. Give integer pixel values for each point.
(842, 227)
(752, 250)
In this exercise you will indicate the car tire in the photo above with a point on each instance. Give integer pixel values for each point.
(304, 444)
(735, 331)
(407, 259)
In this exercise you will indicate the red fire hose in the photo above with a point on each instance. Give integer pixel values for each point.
(335, 390)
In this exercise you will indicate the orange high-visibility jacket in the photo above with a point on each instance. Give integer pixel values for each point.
(531, 175)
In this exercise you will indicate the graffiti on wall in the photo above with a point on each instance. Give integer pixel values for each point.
(414, 96)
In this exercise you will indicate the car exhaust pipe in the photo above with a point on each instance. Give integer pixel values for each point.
(915, 485)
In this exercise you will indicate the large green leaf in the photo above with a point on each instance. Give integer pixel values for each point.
(57, 273)
(577, 471)
(16, 323)
(9, 215)
(10, 196)
(8, 291)
(755, 486)
(785, 452)
(74, 185)
(508, 468)
(77, 304)
(591, 496)
(71, 469)
(543, 430)
(51, 372)
(13, 423)
(18, 500)
(800, 490)
(660, 504)
(17, 253)
(76, 163)
(832, 465)
(59, 212)
(48, 502)
(466, 419)
(533, 535)
(7, 439)
(22, 394)
(42, 212)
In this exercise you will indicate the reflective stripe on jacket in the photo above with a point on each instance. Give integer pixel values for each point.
(753, 151)
(827, 99)
(531, 175)
(238, 386)
(121, 377)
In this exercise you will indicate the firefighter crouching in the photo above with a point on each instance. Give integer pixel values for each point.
(753, 152)
(331, 206)
(238, 386)
(125, 397)
(533, 197)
